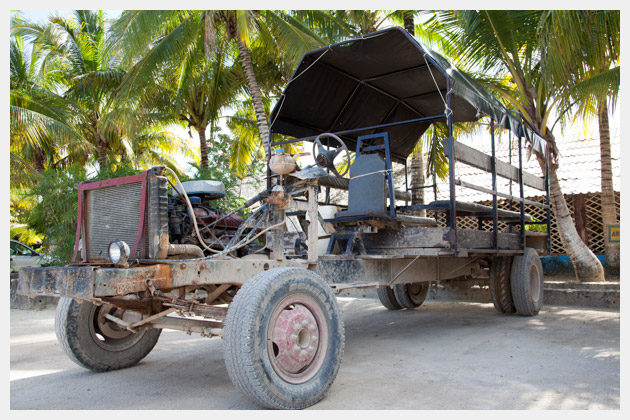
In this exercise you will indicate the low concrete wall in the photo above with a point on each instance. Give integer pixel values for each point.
(561, 265)
(558, 291)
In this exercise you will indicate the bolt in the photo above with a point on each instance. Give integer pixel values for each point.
(305, 322)
(312, 327)
(296, 348)
(297, 326)
(311, 349)
(294, 337)
(303, 353)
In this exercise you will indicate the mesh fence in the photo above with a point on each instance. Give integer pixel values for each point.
(594, 227)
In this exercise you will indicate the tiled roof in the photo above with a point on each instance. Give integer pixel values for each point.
(578, 170)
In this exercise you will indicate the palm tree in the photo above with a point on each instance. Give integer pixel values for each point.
(163, 37)
(416, 166)
(501, 42)
(583, 52)
(87, 75)
(41, 129)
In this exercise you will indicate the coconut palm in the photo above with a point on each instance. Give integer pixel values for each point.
(166, 37)
(41, 130)
(500, 42)
(583, 53)
(88, 76)
(416, 165)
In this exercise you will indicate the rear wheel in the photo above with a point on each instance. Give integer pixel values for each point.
(96, 343)
(500, 271)
(411, 295)
(387, 298)
(284, 338)
(527, 282)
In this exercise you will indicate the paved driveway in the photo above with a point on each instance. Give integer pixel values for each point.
(443, 355)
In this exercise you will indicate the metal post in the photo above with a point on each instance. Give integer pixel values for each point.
(495, 224)
(328, 171)
(510, 157)
(390, 177)
(451, 169)
(406, 183)
(548, 201)
(520, 181)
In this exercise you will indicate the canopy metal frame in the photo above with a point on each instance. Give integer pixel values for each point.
(510, 120)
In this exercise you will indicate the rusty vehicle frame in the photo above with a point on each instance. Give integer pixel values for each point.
(293, 347)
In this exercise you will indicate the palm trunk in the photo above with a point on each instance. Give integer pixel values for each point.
(252, 84)
(609, 208)
(408, 22)
(203, 146)
(101, 149)
(38, 161)
(587, 266)
(416, 166)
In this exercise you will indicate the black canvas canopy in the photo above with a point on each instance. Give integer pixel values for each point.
(383, 78)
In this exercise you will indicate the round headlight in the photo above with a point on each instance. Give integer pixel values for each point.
(118, 252)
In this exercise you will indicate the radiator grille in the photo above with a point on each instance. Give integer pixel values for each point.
(113, 213)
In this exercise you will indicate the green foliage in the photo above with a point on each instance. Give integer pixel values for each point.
(219, 169)
(536, 228)
(25, 235)
(55, 214)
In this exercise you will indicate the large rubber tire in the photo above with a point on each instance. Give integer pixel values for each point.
(387, 298)
(95, 343)
(284, 338)
(500, 272)
(411, 295)
(527, 283)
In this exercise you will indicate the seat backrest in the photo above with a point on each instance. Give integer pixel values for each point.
(366, 192)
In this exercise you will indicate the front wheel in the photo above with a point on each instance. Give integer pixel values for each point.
(284, 338)
(94, 342)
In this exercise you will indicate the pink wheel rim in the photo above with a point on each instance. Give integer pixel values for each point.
(297, 338)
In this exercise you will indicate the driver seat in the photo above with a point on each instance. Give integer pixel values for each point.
(366, 190)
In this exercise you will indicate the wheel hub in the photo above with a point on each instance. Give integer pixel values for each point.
(295, 337)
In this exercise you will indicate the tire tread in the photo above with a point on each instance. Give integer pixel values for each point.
(241, 325)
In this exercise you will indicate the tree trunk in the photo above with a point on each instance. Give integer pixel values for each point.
(408, 21)
(203, 146)
(38, 161)
(587, 266)
(101, 148)
(416, 166)
(252, 84)
(609, 208)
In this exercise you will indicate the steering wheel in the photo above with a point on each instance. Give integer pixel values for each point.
(326, 158)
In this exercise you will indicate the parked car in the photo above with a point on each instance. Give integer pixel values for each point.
(24, 256)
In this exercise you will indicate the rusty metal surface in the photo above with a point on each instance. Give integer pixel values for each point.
(117, 281)
(57, 281)
(91, 282)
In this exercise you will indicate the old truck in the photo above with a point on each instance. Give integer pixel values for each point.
(148, 257)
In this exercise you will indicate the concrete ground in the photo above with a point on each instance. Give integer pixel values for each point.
(444, 355)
